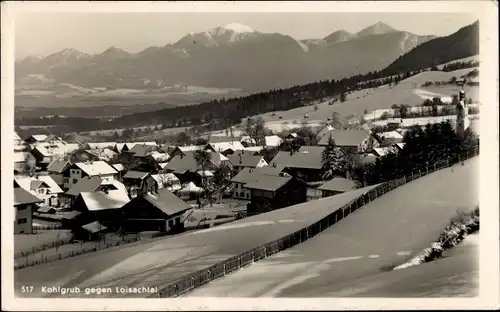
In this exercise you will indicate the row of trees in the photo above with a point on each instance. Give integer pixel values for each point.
(422, 147)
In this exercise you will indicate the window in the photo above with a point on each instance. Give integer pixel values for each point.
(66, 180)
(242, 194)
(75, 181)
(248, 195)
(170, 223)
(177, 220)
(19, 208)
(22, 221)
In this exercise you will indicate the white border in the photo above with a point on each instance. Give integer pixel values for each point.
(489, 186)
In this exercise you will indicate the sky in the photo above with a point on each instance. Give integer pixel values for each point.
(43, 33)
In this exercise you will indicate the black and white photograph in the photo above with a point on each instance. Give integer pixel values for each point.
(219, 152)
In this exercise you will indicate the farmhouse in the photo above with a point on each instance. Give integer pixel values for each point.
(43, 187)
(249, 174)
(44, 153)
(80, 170)
(349, 140)
(242, 160)
(24, 206)
(273, 140)
(305, 164)
(138, 183)
(159, 211)
(270, 192)
(92, 184)
(103, 206)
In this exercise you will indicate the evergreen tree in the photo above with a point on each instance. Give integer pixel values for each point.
(333, 160)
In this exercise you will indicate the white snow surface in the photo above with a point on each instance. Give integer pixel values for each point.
(239, 28)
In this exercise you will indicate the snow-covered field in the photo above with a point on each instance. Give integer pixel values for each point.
(422, 121)
(377, 114)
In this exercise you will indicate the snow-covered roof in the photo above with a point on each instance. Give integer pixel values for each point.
(118, 167)
(101, 145)
(39, 137)
(26, 183)
(100, 201)
(224, 146)
(103, 154)
(160, 157)
(20, 156)
(205, 173)
(189, 148)
(273, 140)
(382, 151)
(132, 144)
(254, 148)
(56, 148)
(163, 177)
(391, 135)
(96, 168)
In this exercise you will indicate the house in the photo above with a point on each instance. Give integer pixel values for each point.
(23, 162)
(43, 187)
(58, 166)
(305, 164)
(349, 140)
(102, 206)
(155, 162)
(388, 138)
(225, 148)
(120, 169)
(24, 206)
(253, 149)
(270, 192)
(185, 166)
(138, 183)
(92, 184)
(141, 150)
(159, 211)
(124, 147)
(272, 140)
(44, 153)
(323, 132)
(336, 186)
(105, 154)
(37, 138)
(244, 160)
(99, 146)
(246, 175)
(19, 144)
(79, 170)
(184, 150)
(168, 181)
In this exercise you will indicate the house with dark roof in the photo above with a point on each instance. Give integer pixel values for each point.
(138, 183)
(270, 192)
(90, 232)
(241, 160)
(56, 169)
(157, 211)
(337, 185)
(184, 150)
(24, 206)
(349, 140)
(305, 164)
(246, 175)
(185, 166)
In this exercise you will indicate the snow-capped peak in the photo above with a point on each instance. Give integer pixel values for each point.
(239, 28)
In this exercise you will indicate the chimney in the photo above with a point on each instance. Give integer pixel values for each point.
(274, 164)
(291, 152)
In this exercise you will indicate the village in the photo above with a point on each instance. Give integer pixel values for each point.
(71, 198)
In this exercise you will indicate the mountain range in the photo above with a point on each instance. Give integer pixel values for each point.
(231, 56)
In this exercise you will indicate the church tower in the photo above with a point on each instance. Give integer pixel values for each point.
(462, 114)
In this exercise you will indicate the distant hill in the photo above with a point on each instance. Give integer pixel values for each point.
(461, 44)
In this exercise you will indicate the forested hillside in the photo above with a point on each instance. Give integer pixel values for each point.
(463, 43)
